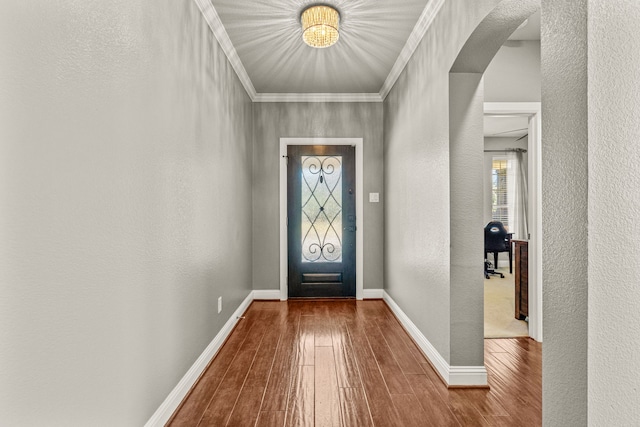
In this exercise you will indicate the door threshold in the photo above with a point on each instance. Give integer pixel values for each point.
(306, 299)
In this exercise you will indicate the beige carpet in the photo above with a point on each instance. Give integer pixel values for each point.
(499, 308)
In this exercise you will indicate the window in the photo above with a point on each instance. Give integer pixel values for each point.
(499, 203)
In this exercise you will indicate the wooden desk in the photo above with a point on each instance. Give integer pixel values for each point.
(521, 249)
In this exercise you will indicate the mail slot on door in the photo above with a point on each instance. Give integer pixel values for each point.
(321, 278)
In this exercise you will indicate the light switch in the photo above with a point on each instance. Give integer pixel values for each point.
(374, 197)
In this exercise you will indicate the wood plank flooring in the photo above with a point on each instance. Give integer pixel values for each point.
(350, 363)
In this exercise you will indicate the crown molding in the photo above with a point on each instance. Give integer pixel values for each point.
(213, 20)
(317, 97)
(426, 18)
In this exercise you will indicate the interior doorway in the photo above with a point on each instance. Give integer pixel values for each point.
(532, 111)
(466, 104)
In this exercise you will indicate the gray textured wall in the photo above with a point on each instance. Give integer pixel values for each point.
(590, 247)
(614, 213)
(466, 144)
(273, 121)
(126, 205)
(417, 235)
(565, 252)
(514, 73)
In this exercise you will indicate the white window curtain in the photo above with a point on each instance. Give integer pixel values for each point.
(517, 196)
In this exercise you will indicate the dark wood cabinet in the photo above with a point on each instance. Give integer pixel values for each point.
(521, 251)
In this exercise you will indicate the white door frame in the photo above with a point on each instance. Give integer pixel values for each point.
(534, 149)
(284, 250)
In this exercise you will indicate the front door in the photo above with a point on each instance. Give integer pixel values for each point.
(321, 221)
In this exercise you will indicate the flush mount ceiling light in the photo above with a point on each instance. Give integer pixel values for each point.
(320, 26)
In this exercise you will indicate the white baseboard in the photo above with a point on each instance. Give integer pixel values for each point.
(268, 294)
(372, 293)
(467, 376)
(274, 294)
(454, 376)
(170, 404)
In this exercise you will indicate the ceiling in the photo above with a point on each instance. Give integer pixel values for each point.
(263, 41)
(268, 40)
(506, 126)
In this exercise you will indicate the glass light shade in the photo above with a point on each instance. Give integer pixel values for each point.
(320, 26)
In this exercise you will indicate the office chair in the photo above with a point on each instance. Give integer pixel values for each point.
(496, 240)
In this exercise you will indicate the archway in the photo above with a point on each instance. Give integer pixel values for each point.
(466, 106)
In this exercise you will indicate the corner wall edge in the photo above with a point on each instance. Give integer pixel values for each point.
(453, 376)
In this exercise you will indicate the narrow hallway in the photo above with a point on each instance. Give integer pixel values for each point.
(350, 363)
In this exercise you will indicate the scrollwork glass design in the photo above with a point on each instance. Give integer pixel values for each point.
(321, 237)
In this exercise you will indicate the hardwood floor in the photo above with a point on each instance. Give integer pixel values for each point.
(350, 363)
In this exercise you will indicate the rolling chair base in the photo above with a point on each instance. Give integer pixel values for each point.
(489, 271)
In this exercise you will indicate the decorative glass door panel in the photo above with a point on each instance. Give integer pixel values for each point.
(321, 221)
(321, 216)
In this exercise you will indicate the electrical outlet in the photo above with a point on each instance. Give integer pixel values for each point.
(219, 304)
